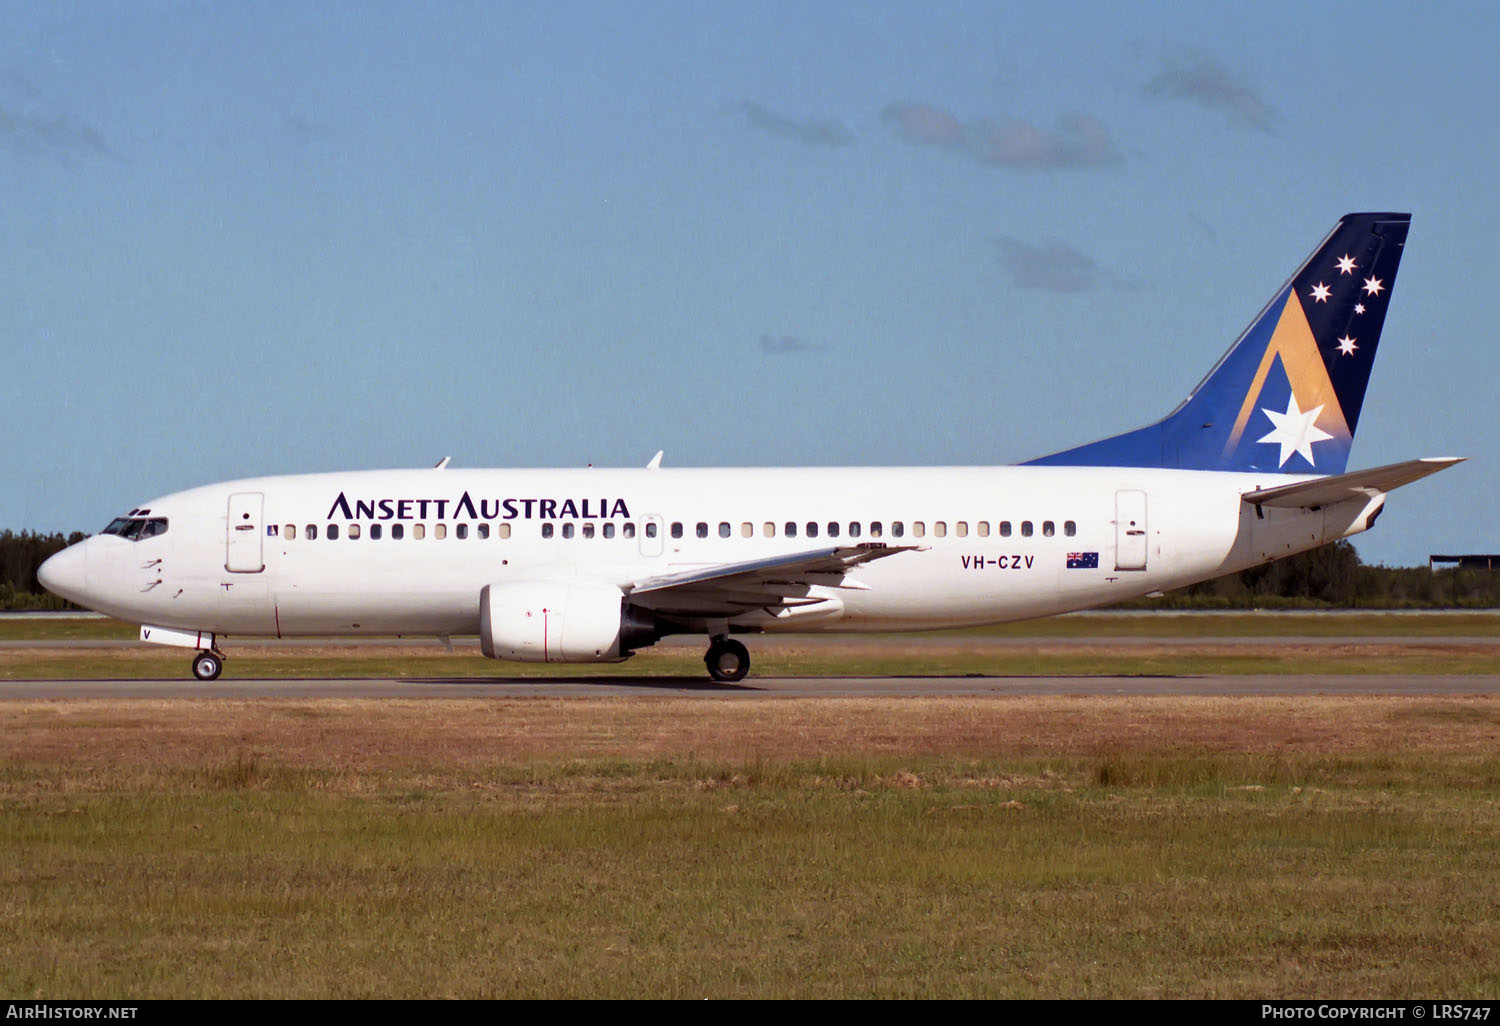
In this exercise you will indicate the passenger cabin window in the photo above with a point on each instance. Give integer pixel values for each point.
(724, 530)
(875, 529)
(629, 531)
(353, 532)
(918, 529)
(290, 532)
(812, 528)
(747, 530)
(650, 529)
(567, 530)
(676, 529)
(503, 530)
(982, 529)
(483, 530)
(609, 530)
(332, 533)
(547, 530)
(898, 529)
(854, 529)
(1026, 529)
(961, 529)
(790, 529)
(588, 530)
(418, 532)
(461, 531)
(1048, 530)
(311, 534)
(768, 529)
(375, 530)
(833, 528)
(1005, 528)
(702, 529)
(940, 529)
(440, 531)
(1070, 528)
(398, 531)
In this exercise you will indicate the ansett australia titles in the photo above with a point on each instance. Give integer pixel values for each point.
(466, 508)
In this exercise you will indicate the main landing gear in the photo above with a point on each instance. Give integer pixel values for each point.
(208, 665)
(727, 660)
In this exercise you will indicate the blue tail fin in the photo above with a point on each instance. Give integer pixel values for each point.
(1286, 397)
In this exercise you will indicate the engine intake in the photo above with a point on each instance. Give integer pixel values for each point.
(561, 622)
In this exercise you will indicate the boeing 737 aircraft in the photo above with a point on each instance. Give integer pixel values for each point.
(592, 565)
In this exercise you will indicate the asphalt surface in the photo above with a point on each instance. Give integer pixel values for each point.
(761, 687)
(804, 641)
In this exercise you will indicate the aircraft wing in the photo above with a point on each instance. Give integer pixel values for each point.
(1325, 491)
(780, 582)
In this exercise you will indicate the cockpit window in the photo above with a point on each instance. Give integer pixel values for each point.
(136, 528)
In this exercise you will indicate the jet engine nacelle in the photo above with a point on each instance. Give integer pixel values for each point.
(561, 622)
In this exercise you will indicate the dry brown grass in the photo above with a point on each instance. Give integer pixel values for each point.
(372, 734)
(995, 846)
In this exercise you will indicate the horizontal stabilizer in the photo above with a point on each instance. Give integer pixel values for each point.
(1325, 491)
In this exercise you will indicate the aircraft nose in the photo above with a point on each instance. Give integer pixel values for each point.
(65, 574)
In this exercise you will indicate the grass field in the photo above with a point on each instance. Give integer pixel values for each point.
(691, 847)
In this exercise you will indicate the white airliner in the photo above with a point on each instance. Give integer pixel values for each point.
(590, 565)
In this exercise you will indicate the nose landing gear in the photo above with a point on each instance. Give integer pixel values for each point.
(208, 665)
(727, 660)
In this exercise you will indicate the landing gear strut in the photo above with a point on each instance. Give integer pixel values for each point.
(727, 661)
(208, 665)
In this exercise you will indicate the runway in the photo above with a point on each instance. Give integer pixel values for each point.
(698, 686)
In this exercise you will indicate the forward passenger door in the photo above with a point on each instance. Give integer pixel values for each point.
(245, 541)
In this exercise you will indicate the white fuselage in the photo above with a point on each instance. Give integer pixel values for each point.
(255, 557)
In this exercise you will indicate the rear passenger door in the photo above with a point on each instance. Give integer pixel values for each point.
(1130, 530)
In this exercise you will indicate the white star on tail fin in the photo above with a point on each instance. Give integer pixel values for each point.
(1296, 431)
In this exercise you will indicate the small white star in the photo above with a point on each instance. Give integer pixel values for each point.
(1347, 346)
(1296, 431)
(1320, 293)
(1373, 286)
(1347, 264)
(1359, 308)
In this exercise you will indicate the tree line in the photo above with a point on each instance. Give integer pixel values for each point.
(1334, 577)
(1330, 577)
(20, 555)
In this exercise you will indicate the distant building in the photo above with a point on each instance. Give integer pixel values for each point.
(1473, 562)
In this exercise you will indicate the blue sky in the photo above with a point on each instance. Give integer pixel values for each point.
(271, 238)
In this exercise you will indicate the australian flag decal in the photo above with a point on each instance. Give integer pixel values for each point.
(1083, 561)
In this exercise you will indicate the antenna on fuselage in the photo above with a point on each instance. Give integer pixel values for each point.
(442, 463)
(655, 463)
